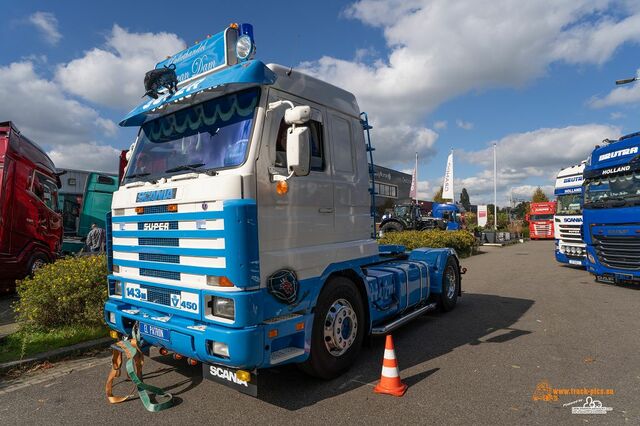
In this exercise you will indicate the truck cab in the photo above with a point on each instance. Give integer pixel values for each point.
(30, 224)
(450, 214)
(85, 199)
(570, 246)
(241, 235)
(540, 218)
(612, 210)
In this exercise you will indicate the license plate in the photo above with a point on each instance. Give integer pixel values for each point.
(575, 262)
(227, 376)
(604, 278)
(155, 331)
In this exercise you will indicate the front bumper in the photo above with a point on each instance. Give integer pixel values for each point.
(563, 258)
(249, 347)
(608, 275)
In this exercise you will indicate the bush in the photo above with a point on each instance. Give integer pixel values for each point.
(71, 291)
(462, 241)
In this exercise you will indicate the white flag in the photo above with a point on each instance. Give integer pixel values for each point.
(482, 215)
(447, 185)
(412, 191)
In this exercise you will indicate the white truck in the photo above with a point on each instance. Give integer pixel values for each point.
(570, 246)
(241, 236)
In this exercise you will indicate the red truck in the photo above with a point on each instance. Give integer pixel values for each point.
(540, 218)
(30, 225)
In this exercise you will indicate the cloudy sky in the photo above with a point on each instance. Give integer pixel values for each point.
(534, 77)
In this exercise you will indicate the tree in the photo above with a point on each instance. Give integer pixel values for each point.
(464, 199)
(437, 197)
(539, 196)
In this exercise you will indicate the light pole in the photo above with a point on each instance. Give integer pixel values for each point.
(495, 189)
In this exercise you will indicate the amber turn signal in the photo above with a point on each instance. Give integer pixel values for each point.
(172, 208)
(282, 187)
(139, 210)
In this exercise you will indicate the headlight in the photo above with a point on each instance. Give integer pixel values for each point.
(244, 47)
(224, 308)
(220, 349)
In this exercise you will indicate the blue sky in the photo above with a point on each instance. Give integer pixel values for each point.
(537, 78)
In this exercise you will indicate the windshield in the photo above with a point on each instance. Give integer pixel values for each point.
(208, 136)
(535, 217)
(613, 191)
(569, 204)
(402, 211)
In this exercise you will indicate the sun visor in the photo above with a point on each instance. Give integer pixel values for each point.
(237, 77)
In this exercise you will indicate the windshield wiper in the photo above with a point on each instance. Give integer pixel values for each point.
(195, 167)
(137, 175)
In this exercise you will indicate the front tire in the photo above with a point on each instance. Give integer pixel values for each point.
(391, 227)
(450, 286)
(37, 261)
(338, 330)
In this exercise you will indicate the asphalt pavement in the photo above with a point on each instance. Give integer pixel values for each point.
(524, 328)
(7, 318)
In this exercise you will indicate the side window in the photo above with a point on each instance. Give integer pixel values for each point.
(317, 145)
(46, 190)
(341, 143)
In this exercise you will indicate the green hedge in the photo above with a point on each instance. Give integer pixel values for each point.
(462, 241)
(71, 291)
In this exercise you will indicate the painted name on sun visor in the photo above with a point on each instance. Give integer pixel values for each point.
(618, 153)
(162, 194)
(206, 56)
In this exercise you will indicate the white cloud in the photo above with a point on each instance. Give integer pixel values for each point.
(47, 24)
(396, 145)
(537, 154)
(40, 107)
(440, 125)
(438, 49)
(616, 115)
(113, 75)
(42, 112)
(103, 158)
(465, 125)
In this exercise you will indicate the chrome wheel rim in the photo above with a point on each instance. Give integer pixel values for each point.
(450, 278)
(37, 264)
(340, 327)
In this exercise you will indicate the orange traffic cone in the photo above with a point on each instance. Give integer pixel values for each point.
(390, 383)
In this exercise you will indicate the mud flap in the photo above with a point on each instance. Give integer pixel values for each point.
(228, 376)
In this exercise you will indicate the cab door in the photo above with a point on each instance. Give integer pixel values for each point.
(48, 223)
(296, 228)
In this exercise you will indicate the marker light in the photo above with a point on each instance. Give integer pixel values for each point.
(225, 282)
(112, 318)
(114, 334)
(244, 47)
(172, 208)
(243, 375)
(139, 210)
(273, 333)
(192, 362)
(117, 287)
(115, 268)
(282, 187)
(164, 352)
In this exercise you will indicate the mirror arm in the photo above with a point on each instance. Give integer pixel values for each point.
(278, 104)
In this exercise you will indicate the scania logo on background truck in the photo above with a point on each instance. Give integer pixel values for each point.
(618, 153)
(162, 194)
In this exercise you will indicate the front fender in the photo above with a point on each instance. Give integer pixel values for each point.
(437, 259)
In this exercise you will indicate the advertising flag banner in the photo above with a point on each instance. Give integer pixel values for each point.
(447, 184)
(482, 215)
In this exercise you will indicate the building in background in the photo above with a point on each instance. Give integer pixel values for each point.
(392, 187)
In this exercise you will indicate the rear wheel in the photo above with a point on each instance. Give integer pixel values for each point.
(338, 330)
(450, 286)
(390, 227)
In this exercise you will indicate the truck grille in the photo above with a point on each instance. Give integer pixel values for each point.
(618, 252)
(161, 296)
(166, 242)
(570, 233)
(156, 273)
(542, 229)
(165, 258)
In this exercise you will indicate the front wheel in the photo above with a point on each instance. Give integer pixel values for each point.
(37, 261)
(338, 330)
(450, 286)
(390, 227)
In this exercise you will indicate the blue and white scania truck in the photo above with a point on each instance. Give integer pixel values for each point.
(241, 236)
(570, 246)
(612, 210)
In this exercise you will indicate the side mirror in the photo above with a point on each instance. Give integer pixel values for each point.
(297, 115)
(298, 150)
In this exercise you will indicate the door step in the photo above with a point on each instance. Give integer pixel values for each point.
(285, 354)
(390, 326)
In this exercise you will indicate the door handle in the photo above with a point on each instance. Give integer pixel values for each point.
(325, 209)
